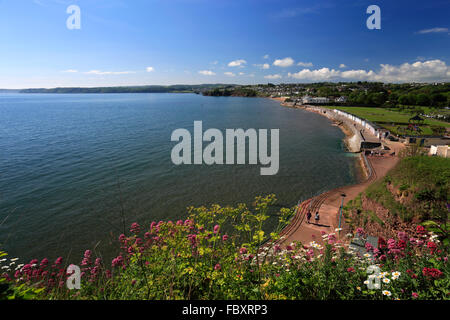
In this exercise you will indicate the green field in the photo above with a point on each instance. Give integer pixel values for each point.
(395, 121)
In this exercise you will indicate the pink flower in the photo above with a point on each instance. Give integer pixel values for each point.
(85, 262)
(87, 254)
(122, 238)
(225, 237)
(289, 248)
(216, 228)
(432, 272)
(135, 228)
(217, 267)
(44, 262)
(118, 261)
(58, 261)
(350, 269)
(243, 250)
(402, 236)
(420, 230)
(98, 261)
(432, 246)
(415, 295)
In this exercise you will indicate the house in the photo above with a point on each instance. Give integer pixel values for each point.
(341, 99)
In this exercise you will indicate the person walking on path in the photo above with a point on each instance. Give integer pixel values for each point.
(317, 217)
(308, 216)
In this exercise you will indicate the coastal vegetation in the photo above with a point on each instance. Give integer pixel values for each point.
(127, 89)
(223, 253)
(416, 191)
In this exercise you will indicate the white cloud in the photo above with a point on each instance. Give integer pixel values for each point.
(237, 63)
(207, 72)
(215, 62)
(150, 69)
(305, 64)
(286, 62)
(315, 75)
(426, 71)
(264, 66)
(266, 56)
(70, 71)
(273, 76)
(342, 66)
(433, 30)
(241, 73)
(230, 74)
(98, 72)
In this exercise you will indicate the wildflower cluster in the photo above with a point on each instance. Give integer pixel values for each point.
(224, 253)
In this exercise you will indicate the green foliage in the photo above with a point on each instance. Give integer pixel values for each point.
(201, 259)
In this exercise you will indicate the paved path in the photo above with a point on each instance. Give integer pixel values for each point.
(328, 204)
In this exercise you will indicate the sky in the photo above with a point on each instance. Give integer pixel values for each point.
(150, 42)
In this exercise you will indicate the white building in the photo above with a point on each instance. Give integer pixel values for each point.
(441, 151)
(341, 99)
(314, 100)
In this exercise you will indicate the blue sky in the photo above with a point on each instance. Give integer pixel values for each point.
(148, 42)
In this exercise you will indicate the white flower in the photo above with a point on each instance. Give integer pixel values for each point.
(384, 274)
(386, 280)
(396, 274)
(14, 259)
(367, 255)
(338, 229)
(387, 293)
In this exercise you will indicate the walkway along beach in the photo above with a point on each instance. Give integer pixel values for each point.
(328, 204)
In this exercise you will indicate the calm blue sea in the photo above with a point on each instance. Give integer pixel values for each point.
(71, 164)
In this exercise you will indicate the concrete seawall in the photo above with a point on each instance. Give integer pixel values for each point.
(351, 129)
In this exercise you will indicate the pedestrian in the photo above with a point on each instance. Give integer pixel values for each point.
(317, 217)
(308, 216)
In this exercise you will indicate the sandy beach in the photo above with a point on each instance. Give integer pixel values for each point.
(328, 204)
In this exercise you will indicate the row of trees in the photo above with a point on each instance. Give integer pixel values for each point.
(437, 100)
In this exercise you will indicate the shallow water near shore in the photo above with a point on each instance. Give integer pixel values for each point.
(71, 164)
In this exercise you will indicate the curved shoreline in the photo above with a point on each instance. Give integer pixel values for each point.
(328, 204)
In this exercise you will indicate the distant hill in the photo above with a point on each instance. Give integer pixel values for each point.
(9, 91)
(130, 89)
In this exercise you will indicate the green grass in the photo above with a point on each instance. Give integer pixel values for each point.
(387, 115)
(427, 178)
(391, 119)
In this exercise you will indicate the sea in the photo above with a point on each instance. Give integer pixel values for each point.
(77, 169)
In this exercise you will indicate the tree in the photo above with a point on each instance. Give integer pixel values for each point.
(438, 99)
(423, 100)
(404, 99)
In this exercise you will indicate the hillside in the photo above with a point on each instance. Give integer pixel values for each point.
(415, 191)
